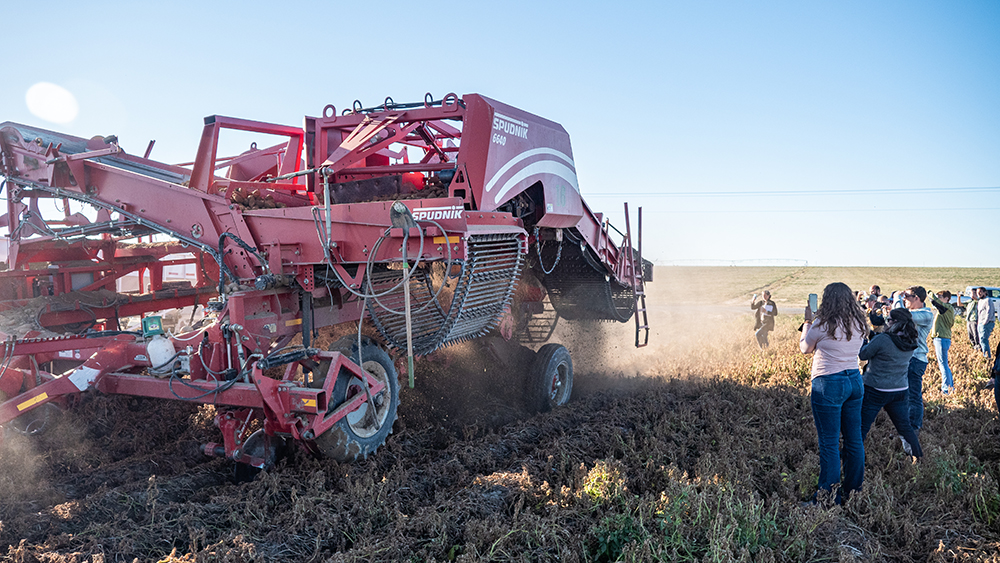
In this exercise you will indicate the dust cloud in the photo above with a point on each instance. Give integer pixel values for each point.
(691, 334)
(483, 383)
(24, 450)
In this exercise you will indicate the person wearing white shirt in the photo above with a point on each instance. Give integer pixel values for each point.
(987, 316)
(765, 310)
(913, 299)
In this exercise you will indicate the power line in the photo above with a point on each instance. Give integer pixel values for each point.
(816, 210)
(758, 193)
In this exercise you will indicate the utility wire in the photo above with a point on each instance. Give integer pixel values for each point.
(758, 193)
(814, 210)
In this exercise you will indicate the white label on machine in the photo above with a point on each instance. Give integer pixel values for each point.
(437, 213)
(510, 126)
(83, 377)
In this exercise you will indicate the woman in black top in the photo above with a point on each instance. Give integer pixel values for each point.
(886, 386)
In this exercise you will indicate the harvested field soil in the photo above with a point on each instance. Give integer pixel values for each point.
(701, 448)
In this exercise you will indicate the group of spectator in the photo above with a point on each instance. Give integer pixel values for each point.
(891, 334)
(980, 316)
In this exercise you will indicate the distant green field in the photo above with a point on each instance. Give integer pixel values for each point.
(792, 285)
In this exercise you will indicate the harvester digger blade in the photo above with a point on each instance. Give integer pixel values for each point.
(482, 292)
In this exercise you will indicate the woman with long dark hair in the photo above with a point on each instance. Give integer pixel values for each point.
(885, 377)
(834, 338)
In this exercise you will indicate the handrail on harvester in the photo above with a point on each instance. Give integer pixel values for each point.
(204, 163)
(637, 278)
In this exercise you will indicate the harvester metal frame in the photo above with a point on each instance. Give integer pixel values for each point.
(293, 239)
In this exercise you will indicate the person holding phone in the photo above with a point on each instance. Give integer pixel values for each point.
(875, 316)
(886, 384)
(834, 335)
(765, 311)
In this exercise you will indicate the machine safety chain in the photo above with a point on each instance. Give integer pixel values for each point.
(538, 250)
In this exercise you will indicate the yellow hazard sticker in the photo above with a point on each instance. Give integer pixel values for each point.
(309, 403)
(32, 402)
(451, 240)
(293, 322)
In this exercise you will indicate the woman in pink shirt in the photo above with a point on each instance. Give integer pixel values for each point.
(834, 338)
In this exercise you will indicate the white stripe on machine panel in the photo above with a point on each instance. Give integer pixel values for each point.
(541, 167)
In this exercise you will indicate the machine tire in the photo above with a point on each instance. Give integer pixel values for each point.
(355, 435)
(550, 379)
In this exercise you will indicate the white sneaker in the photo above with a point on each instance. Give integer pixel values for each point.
(906, 446)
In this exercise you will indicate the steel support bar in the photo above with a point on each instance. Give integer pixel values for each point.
(36, 397)
(220, 393)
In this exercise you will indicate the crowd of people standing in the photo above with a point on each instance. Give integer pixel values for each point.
(890, 334)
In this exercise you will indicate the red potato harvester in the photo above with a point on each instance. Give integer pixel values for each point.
(334, 224)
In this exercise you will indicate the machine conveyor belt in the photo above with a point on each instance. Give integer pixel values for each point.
(480, 295)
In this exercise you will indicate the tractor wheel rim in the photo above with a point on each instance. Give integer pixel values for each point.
(361, 421)
(558, 381)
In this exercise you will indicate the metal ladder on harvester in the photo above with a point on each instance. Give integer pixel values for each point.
(634, 266)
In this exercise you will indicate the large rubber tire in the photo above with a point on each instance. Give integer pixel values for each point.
(356, 435)
(550, 379)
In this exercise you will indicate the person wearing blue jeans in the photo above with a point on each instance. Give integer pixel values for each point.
(896, 405)
(941, 347)
(834, 339)
(923, 318)
(836, 401)
(915, 380)
(944, 320)
(886, 386)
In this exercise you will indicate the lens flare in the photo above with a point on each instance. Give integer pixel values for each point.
(51, 102)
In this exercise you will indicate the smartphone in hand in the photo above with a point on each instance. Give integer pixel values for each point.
(813, 303)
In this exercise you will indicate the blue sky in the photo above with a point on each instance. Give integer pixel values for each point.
(847, 133)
